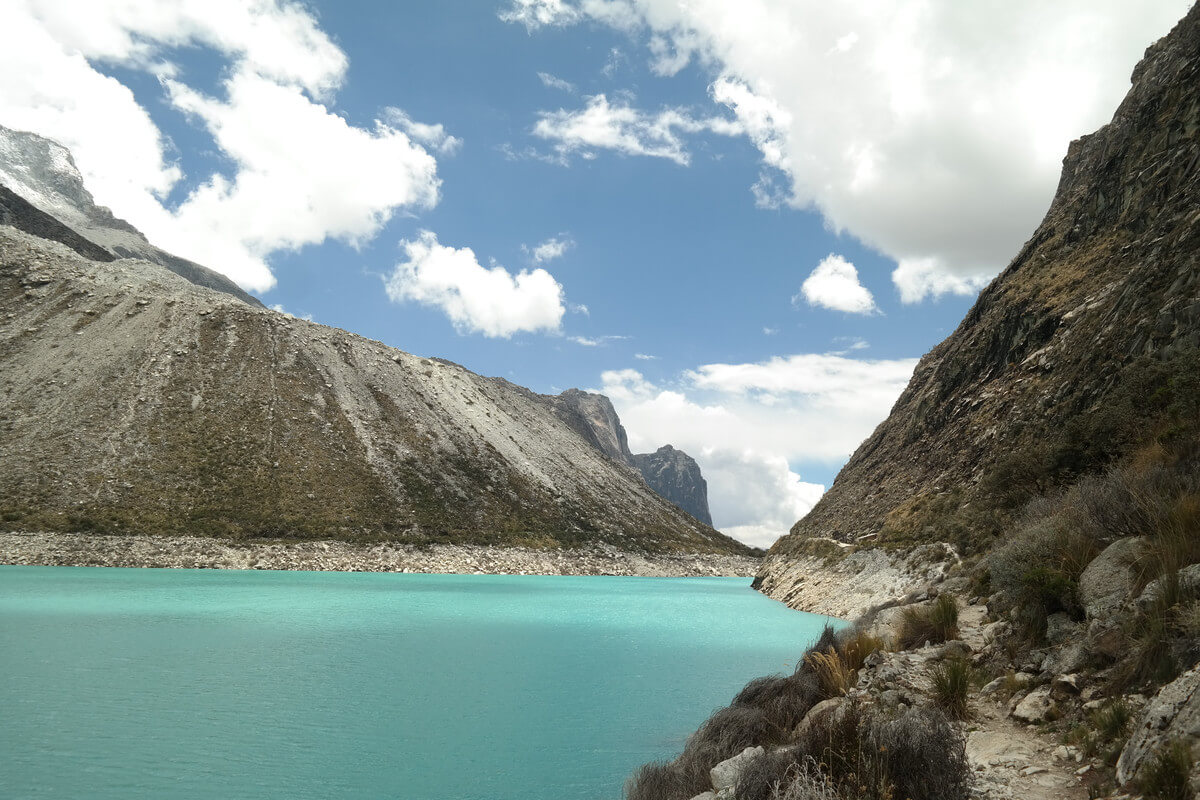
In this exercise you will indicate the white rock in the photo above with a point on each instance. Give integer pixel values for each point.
(725, 775)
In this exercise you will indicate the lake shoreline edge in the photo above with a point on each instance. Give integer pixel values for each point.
(21, 548)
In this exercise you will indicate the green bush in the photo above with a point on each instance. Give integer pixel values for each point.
(951, 685)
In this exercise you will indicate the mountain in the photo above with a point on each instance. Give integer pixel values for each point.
(671, 473)
(42, 173)
(676, 476)
(134, 401)
(1066, 360)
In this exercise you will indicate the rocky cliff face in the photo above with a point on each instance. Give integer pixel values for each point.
(676, 476)
(671, 473)
(1108, 282)
(43, 174)
(133, 401)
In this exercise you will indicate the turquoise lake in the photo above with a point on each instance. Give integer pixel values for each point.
(143, 683)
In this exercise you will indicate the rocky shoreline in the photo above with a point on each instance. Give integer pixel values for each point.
(189, 552)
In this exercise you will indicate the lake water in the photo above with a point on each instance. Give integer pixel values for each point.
(141, 683)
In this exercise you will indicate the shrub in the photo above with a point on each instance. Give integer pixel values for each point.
(951, 685)
(804, 781)
(834, 676)
(857, 646)
(729, 731)
(658, 781)
(917, 754)
(1166, 777)
(783, 700)
(1111, 720)
(767, 775)
(1039, 568)
(934, 623)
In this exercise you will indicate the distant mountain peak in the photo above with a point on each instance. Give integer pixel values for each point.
(43, 173)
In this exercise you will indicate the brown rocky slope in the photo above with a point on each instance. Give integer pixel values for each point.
(135, 402)
(1056, 363)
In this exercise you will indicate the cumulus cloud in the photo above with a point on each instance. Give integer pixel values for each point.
(834, 285)
(747, 423)
(477, 299)
(932, 131)
(602, 125)
(550, 249)
(280, 73)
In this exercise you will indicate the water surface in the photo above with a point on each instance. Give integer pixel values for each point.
(141, 683)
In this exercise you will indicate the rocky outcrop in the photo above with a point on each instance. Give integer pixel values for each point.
(593, 417)
(43, 174)
(1111, 275)
(133, 401)
(676, 476)
(1108, 580)
(671, 473)
(1172, 716)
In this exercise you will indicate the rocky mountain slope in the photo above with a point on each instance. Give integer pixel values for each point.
(1054, 370)
(671, 473)
(42, 173)
(676, 476)
(134, 401)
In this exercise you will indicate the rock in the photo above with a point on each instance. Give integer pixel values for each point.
(1068, 658)
(996, 630)
(1189, 582)
(1173, 714)
(705, 796)
(997, 747)
(1037, 706)
(1060, 628)
(1108, 580)
(1065, 686)
(1106, 638)
(726, 774)
(955, 648)
(830, 706)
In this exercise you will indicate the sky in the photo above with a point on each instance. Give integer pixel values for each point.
(743, 222)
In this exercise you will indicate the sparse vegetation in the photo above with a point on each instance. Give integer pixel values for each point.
(833, 675)
(1166, 777)
(951, 686)
(857, 645)
(935, 623)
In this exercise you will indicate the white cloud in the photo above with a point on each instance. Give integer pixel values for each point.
(601, 125)
(279, 307)
(598, 341)
(278, 67)
(551, 248)
(554, 82)
(932, 131)
(477, 299)
(534, 14)
(745, 423)
(834, 285)
(432, 136)
(645, 357)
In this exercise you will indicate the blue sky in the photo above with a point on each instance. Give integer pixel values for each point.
(744, 222)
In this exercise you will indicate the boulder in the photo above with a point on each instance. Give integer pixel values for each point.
(1036, 706)
(830, 706)
(1189, 581)
(1068, 658)
(1173, 714)
(1106, 637)
(1108, 580)
(1060, 628)
(996, 630)
(726, 774)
